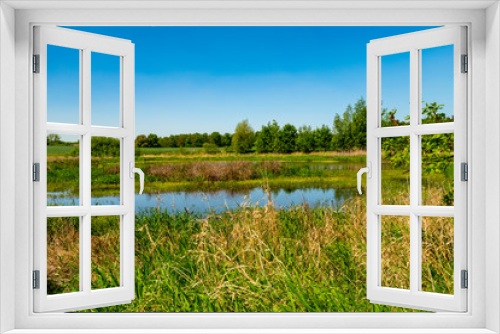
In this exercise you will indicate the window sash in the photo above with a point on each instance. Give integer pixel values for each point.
(413, 43)
(86, 297)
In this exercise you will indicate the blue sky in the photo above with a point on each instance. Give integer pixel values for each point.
(204, 79)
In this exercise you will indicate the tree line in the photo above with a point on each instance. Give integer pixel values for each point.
(55, 140)
(347, 133)
(184, 140)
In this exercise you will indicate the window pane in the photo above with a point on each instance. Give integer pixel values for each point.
(105, 171)
(438, 169)
(63, 85)
(105, 90)
(63, 169)
(105, 252)
(63, 255)
(395, 89)
(395, 171)
(437, 254)
(395, 251)
(437, 84)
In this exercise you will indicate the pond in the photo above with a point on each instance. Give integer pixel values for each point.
(222, 199)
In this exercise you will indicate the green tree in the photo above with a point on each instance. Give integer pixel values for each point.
(205, 138)
(141, 141)
(105, 147)
(347, 129)
(322, 138)
(338, 136)
(437, 150)
(180, 140)
(188, 141)
(265, 141)
(243, 138)
(437, 154)
(53, 139)
(152, 140)
(226, 139)
(167, 141)
(397, 151)
(432, 115)
(359, 125)
(197, 140)
(305, 139)
(216, 138)
(287, 139)
(389, 118)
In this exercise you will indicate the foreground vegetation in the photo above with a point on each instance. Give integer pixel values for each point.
(254, 259)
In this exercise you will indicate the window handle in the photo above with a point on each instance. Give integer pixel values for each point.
(134, 170)
(368, 171)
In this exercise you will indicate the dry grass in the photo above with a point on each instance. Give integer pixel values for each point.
(61, 159)
(63, 255)
(207, 171)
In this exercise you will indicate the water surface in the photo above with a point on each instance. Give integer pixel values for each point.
(221, 200)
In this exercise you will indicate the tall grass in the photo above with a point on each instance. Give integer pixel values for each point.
(268, 259)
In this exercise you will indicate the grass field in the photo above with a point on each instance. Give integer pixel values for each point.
(59, 150)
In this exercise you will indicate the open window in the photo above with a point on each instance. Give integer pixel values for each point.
(400, 225)
(98, 269)
(84, 129)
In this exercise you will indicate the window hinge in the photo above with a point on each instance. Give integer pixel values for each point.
(36, 63)
(465, 279)
(36, 279)
(465, 64)
(36, 172)
(464, 172)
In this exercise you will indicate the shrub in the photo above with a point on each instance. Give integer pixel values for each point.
(105, 147)
(210, 148)
(102, 147)
(75, 152)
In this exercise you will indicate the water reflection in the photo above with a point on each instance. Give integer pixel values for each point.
(221, 200)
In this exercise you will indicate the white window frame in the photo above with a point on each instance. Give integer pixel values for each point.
(86, 44)
(414, 43)
(484, 82)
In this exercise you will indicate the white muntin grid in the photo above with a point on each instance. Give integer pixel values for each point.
(86, 43)
(414, 43)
